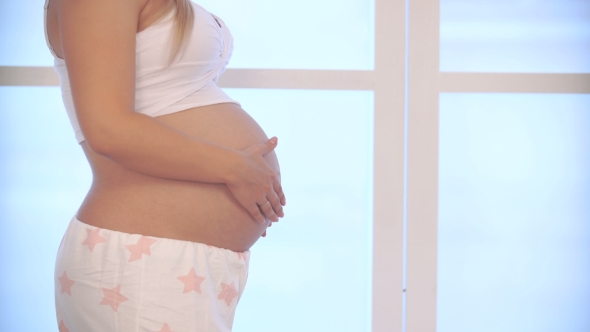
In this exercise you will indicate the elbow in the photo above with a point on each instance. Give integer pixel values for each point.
(105, 135)
(100, 141)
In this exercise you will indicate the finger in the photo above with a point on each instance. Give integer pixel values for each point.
(255, 212)
(279, 191)
(269, 212)
(264, 234)
(274, 200)
(269, 145)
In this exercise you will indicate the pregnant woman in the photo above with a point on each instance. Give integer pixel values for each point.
(184, 180)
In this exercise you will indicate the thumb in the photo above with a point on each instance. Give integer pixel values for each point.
(270, 145)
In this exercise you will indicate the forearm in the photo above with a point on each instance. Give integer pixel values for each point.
(144, 145)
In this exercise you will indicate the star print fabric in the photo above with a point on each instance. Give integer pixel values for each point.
(107, 280)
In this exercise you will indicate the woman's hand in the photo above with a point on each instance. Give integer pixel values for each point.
(256, 186)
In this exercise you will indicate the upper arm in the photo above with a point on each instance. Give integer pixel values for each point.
(98, 43)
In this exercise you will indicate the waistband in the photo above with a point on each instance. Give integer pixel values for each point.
(97, 234)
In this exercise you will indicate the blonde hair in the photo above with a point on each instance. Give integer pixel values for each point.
(183, 23)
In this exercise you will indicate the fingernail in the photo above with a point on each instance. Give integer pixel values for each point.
(274, 140)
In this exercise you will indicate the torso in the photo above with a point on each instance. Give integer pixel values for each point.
(126, 201)
(130, 202)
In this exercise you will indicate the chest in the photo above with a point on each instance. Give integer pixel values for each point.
(206, 43)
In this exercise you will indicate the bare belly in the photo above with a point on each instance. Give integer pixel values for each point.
(126, 201)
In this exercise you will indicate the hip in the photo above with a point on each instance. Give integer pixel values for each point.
(116, 281)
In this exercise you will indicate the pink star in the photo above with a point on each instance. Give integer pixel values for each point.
(228, 292)
(191, 281)
(66, 284)
(165, 328)
(141, 247)
(62, 327)
(113, 297)
(93, 238)
(241, 255)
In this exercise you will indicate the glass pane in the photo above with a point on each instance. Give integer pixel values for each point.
(44, 177)
(311, 273)
(514, 220)
(305, 34)
(515, 36)
(313, 270)
(22, 38)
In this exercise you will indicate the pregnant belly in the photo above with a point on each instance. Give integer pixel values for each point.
(123, 200)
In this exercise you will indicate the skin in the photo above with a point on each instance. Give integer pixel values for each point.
(196, 175)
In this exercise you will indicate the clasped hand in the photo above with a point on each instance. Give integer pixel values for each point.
(256, 186)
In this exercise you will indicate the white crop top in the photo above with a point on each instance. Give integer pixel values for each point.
(190, 81)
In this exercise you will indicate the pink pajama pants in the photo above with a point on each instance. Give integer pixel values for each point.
(107, 280)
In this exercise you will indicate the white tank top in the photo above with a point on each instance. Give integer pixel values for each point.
(190, 81)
